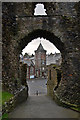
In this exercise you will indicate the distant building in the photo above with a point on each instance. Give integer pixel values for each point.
(32, 59)
(53, 59)
(30, 66)
(37, 65)
(40, 61)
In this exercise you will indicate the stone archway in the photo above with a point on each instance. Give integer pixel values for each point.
(51, 27)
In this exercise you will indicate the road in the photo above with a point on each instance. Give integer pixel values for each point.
(41, 106)
(37, 85)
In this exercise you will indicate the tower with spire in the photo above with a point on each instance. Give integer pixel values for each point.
(40, 61)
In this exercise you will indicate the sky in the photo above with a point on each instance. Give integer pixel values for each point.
(39, 10)
(33, 45)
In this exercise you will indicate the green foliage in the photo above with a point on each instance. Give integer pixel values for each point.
(6, 97)
(5, 116)
(0, 98)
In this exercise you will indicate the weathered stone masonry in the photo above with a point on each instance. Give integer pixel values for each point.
(61, 27)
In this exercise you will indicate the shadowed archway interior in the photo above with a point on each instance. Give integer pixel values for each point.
(41, 33)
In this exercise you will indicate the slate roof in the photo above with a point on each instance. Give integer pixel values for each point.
(28, 62)
(40, 48)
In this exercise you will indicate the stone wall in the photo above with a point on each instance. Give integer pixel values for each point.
(23, 73)
(18, 98)
(61, 26)
(52, 82)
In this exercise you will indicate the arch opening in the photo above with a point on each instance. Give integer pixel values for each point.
(39, 9)
(42, 34)
(47, 45)
(36, 34)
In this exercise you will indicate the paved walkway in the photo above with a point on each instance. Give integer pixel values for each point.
(42, 107)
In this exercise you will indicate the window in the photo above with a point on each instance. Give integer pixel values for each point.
(43, 68)
(43, 62)
(39, 10)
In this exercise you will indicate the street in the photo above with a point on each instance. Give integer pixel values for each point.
(37, 86)
(39, 105)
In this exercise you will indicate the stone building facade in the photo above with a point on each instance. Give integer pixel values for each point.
(53, 59)
(30, 69)
(40, 61)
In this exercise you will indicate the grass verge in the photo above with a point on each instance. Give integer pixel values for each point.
(5, 116)
(6, 97)
(76, 109)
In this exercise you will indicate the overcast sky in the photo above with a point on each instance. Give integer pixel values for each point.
(32, 46)
(39, 10)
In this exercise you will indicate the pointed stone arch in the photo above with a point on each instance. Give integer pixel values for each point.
(51, 27)
(41, 33)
